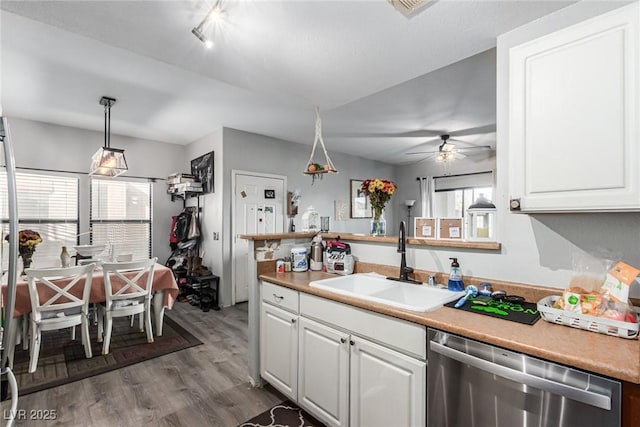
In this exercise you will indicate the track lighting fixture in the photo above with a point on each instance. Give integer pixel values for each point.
(197, 31)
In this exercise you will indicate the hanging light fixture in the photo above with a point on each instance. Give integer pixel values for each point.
(108, 161)
(316, 169)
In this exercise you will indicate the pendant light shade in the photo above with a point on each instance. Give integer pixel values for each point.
(108, 161)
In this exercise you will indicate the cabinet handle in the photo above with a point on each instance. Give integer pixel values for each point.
(342, 340)
(293, 320)
(351, 342)
(278, 297)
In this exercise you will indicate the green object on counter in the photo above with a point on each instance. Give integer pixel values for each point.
(489, 309)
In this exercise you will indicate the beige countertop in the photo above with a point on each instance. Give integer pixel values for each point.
(611, 356)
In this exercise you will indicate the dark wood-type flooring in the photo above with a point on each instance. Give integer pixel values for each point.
(206, 385)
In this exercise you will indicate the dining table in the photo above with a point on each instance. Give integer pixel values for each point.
(163, 286)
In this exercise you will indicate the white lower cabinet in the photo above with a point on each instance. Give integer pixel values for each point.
(387, 388)
(279, 349)
(344, 365)
(323, 372)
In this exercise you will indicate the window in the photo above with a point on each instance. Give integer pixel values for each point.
(47, 204)
(453, 194)
(121, 216)
(454, 203)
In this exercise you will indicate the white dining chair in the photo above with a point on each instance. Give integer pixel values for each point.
(128, 292)
(54, 304)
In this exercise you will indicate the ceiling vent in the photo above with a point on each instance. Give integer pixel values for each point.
(410, 7)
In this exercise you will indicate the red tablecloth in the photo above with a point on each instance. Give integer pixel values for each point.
(163, 280)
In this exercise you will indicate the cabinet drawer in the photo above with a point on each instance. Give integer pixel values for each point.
(280, 296)
(407, 337)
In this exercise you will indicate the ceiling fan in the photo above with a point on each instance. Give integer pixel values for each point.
(447, 152)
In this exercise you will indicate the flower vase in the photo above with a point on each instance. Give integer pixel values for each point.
(26, 261)
(378, 224)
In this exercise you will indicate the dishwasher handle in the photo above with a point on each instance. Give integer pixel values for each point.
(580, 395)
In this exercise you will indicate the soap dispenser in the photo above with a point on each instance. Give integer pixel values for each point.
(455, 277)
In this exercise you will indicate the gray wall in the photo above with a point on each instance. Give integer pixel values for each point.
(211, 214)
(257, 153)
(47, 146)
(409, 187)
(536, 249)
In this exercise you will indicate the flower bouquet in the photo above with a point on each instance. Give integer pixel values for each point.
(379, 192)
(27, 242)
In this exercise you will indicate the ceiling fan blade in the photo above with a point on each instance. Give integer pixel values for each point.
(429, 157)
(423, 133)
(478, 147)
(424, 152)
(478, 130)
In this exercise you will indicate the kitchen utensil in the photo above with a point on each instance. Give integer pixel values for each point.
(502, 296)
(470, 290)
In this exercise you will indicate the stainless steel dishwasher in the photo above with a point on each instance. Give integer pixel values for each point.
(473, 384)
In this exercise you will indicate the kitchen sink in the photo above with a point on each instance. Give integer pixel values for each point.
(376, 288)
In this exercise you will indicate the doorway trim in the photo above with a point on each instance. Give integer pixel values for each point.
(234, 235)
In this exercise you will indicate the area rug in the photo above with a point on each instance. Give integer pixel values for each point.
(62, 360)
(286, 414)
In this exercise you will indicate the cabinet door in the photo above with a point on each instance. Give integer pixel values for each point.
(323, 373)
(279, 349)
(388, 388)
(573, 117)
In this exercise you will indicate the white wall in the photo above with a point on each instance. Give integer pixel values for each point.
(47, 146)
(536, 249)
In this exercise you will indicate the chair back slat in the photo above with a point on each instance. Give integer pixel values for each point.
(128, 280)
(56, 286)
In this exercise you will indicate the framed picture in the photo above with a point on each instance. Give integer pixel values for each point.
(202, 168)
(360, 205)
(424, 228)
(269, 194)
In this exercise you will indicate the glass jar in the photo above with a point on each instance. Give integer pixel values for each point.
(310, 220)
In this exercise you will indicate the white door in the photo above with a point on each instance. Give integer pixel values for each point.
(323, 372)
(388, 388)
(279, 349)
(258, 207)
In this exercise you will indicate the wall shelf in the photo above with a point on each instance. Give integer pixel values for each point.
(348, 237)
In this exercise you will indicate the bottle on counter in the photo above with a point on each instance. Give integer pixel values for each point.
(299, 259)
(455, 277)
(65, 258)
(316, 253)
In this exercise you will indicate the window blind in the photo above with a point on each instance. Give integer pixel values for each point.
(120, 216)
(459, 182)
(47, 204)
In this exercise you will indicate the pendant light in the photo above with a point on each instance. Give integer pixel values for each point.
(108, 161)
(316, 169)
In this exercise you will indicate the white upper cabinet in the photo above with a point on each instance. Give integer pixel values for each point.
(574, 143)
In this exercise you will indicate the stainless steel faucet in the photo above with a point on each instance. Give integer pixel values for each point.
(402, 249)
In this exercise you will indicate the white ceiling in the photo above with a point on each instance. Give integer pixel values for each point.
(372, 71)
